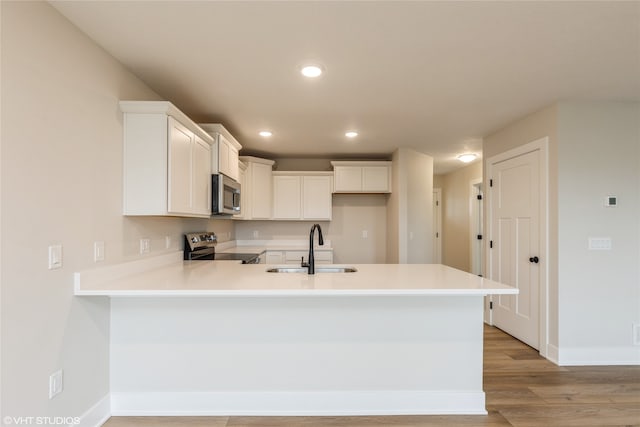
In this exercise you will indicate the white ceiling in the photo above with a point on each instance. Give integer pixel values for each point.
(433, 76)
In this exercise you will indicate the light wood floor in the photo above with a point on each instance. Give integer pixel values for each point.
(522, 390)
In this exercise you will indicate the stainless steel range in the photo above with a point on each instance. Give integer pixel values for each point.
(202, 247)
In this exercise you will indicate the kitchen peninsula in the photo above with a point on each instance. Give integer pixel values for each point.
(221, 338)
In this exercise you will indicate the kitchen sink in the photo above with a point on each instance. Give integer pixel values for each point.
(319, 269)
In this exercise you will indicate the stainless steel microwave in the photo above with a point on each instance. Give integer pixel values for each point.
(226, 195)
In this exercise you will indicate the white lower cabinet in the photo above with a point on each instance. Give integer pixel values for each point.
(295, 257)
(274, 257)
(302, 196)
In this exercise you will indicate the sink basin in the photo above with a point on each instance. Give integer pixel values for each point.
(319, 269)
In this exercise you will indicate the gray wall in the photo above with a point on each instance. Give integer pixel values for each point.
(410, 208)
(599, 291)
(594, 296)
(61, 175)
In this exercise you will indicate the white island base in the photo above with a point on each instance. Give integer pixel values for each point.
(220, 338)
(352, 355)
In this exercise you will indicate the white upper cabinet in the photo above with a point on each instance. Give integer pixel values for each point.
(201, 192)
(302, 195)
(362, 177)
(167, 162)
(244, 195)
(225, 149)
(257, 190)
(287, 193)
(316, 197)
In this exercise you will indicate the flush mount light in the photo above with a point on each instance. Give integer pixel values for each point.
(311, 70)
(265, 133)
(466, 158)
(351, 134)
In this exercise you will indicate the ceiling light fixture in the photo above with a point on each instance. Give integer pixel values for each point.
(351, 134)
(466, 158)
(311, 71)
(265, 133)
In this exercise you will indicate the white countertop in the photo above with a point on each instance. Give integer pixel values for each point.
(260, 246)
(261, 249)
(228, 278)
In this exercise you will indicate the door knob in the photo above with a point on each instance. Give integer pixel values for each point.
(534, 259)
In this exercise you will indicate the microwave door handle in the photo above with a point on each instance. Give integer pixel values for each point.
(236, 201)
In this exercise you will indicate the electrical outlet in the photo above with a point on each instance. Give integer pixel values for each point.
(599, 243)
(98, 251)
(636, 334)
(55, 384)
(55, 257)
(256, 234)
(365, 234)
(145, 246)
(167, 242)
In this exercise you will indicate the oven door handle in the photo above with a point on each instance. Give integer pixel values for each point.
(201, 253)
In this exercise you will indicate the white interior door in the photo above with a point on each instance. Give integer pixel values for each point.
(515, 243)
(475, 227)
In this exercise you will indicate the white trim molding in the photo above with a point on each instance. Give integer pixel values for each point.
(304, 403)
(98, 414)
(598, 356)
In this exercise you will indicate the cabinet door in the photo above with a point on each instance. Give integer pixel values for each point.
(274, 257)
(201, 177)
(316, 197)
(375, 179)
(179, 191)
(286, 197)
(234, 171)
(296, 257)
(244, 195)
(261, 191)
(223, 155)
(348, 178)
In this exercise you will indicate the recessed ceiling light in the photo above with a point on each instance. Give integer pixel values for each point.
(311, 70)
(466, 158)
(265, 133)
(351, 134)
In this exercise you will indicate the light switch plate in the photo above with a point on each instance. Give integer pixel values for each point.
(98, 251)
(55, 257)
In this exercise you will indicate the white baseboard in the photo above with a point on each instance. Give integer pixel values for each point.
(97, 415)
(586, 356)
(552, 353)
(328, 403)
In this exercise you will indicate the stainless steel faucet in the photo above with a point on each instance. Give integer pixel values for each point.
(311, 265)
